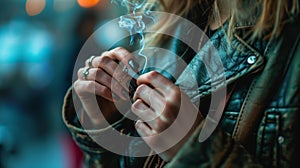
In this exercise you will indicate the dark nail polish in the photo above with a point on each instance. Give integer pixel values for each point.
(125, 94)
(115, 97)
(133, 65)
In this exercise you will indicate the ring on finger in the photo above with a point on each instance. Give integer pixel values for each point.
(125, 69)
(85, 73)
(90, 61)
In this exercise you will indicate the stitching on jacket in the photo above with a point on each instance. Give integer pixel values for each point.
(235, 132)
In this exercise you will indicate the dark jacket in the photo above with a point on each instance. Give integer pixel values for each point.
(258, 123)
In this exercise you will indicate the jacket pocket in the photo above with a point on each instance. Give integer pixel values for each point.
(275, 137)
(268, 131)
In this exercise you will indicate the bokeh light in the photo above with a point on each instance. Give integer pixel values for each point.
(87, 3)
(109, 34)
(35, 7)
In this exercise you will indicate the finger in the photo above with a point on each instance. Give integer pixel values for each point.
(112, 68)
(151, 97)
(143, 130)
(159, 82)
(148, 116)
(125, 57)
(87, 91)
(91, 61)
(106, 63)
(170, 93)
(99, 75)
(143, 111)
(92, 88)
(110, 60)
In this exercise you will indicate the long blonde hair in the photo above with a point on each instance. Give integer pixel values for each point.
(268, 17)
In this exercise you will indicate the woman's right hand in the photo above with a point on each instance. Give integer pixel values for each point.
(102, 78)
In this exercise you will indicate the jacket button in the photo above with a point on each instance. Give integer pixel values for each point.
(251, 59)
(280, 139)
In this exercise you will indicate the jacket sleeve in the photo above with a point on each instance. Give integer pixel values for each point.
(94, 155)
(219, 150)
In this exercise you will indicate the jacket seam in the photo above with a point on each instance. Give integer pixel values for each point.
(240, 117)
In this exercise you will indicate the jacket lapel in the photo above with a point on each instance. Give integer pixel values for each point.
(219, 63)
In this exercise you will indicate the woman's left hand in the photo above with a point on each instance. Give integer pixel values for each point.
(167, 116)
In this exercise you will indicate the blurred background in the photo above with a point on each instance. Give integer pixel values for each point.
(39, 43)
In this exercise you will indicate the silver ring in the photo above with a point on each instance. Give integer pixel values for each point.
(85, 73)
(90, 61)
(125, 69)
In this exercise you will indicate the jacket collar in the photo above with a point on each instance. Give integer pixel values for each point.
(220, 62)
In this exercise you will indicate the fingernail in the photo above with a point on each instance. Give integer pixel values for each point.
(141, 107)
(125, 93)
(137, 124)
(133, 65)
(115, 97)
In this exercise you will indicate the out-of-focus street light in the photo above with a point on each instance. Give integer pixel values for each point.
(88, 3)
(35, 7)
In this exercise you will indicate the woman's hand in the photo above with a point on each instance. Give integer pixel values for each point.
(103, 78)
(161, 104)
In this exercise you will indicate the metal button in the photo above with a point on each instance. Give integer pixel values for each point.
(280, 139)
(251, 59)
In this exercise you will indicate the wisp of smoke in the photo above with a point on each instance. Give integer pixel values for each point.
(134, 23)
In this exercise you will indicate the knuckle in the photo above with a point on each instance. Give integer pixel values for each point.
(150, 76)
(94, 74)
(78, 87)
(174, 91)
(104, 60)
(79, 72)
(170, 102)
(140, 88)
(98, 73)
(118, 49)
(87, 62)
(122, 52)
(172, 109)
(104, 53)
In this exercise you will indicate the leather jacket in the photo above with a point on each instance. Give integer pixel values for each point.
(258, 123)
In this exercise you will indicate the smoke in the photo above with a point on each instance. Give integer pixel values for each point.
(134, 22)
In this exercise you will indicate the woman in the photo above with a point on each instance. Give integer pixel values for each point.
(261, 64)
